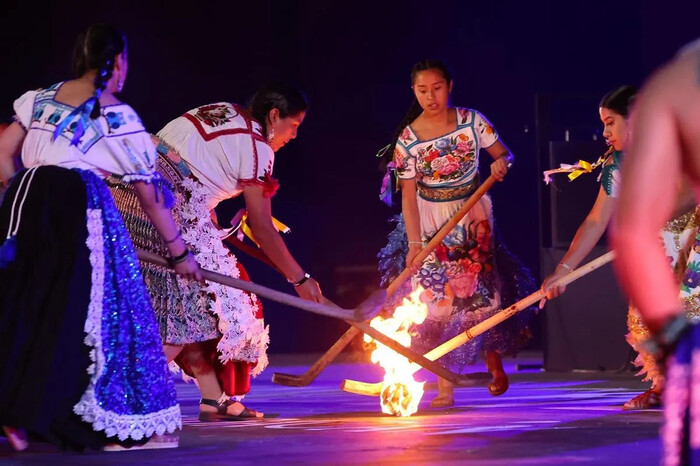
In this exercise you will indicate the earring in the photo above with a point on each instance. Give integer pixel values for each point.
(270, 135)
(120, 85)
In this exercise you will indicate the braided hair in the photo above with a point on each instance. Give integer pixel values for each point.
(387, 153)
(97, 49)
(282, 96)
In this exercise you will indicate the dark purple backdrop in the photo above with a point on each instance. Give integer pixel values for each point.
(353, 61)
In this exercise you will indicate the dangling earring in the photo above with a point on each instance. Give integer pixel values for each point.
(270, 135)
(120, 85)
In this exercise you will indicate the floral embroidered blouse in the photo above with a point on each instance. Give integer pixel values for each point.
(114, 143)
(447, 161)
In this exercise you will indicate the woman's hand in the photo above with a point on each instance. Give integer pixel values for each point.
(189, 268)
(413, 251)
(553, 291)
(499, 168)
(310, 291)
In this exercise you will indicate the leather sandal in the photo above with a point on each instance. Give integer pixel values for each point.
(221, 413)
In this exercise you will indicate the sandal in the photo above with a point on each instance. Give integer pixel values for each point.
(442, 401)
(221, 413)
(646, 400)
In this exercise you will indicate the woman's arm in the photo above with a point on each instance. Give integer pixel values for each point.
(411, 218)
(161, 217)
(502, 157)
(271, 242)
(587, 236)
(11, 139)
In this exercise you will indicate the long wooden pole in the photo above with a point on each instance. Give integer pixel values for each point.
(371, 306)
(374, 389)
(323, 362)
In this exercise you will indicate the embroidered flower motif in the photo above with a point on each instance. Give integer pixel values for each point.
(270, 184)
(215, 115)
(463, 115)
(405, 135)
(115, 119)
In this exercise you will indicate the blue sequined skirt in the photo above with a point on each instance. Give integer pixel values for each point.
(81, 361)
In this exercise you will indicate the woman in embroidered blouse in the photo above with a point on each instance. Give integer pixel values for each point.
(212, 153)
(436, 159)
(677, 235)
(81, 362)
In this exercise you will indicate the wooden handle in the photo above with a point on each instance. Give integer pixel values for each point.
(373, 389)
(524, 303)
(284, 298)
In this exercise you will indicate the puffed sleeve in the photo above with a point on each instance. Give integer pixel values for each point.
(405, 162)
(24, 108)
(484, 131)
(256, 161)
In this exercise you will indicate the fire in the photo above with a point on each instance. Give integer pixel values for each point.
(400, 392)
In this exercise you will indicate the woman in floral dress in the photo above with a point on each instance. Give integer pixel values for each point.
(436, 159)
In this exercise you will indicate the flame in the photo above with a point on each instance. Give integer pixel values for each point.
(400, 392)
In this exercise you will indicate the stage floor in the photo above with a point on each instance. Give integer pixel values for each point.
(544, 418)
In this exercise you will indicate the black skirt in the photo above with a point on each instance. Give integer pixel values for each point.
(45, 294)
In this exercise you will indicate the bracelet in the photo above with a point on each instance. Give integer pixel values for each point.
(510, 159)
(566, 266)
(179, 233)
(416, 242)
(180, 258)
(300, 282)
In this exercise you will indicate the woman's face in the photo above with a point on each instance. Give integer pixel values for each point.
(614, 128)
(432, 91)
(283, 129)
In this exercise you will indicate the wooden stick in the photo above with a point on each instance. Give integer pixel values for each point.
(374, 389)
(310, 375)
(369, 307)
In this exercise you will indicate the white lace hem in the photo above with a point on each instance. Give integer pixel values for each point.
(244, 337)
(124, 426)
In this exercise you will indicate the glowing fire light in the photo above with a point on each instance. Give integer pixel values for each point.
(400, 392)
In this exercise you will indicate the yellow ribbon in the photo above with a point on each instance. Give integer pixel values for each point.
(576, 169)
(245, 228)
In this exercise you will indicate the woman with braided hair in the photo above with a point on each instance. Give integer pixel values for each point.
(435, 154)
(81, 361)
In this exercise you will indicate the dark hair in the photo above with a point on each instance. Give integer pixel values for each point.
(96, 49)
(619, 100)
(285, 98)
(415, 109)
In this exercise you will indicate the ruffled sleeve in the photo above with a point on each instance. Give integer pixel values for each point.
(484, 131)
(256, 164)
(24, 108)
(405, 162)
